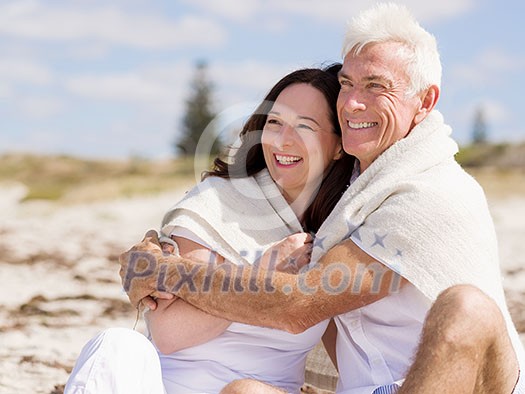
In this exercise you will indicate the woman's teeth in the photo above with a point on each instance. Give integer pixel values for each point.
(287, 159)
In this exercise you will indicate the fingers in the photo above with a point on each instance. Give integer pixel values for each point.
(163, 295)
(303, 256)
(169, 245)
(152, 236)
(309, 238)
(149, 302)
(302, 238)
(302, 261)
(167, 248)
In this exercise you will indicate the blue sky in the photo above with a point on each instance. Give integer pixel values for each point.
(108, 78)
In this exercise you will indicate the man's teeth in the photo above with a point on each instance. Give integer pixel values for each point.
(362, 125)
(287, 159)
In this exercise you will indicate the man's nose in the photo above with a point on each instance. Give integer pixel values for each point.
(353, 101)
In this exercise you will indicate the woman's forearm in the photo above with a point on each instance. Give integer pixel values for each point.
(177, 325)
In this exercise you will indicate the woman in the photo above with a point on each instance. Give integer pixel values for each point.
(282, 180)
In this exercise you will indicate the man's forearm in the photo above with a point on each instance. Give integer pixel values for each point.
(247, 294)
(345, 279)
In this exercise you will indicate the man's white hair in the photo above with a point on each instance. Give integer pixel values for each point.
(389, 22)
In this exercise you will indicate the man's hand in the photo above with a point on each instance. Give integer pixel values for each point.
(288, 255)
(151, 302)
(139, 270)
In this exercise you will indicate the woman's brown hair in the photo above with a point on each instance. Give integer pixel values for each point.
(248, 158)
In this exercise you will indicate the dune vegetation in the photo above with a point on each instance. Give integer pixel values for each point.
(500, 168)
(72, 180)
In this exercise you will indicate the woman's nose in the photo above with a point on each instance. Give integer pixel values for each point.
(286, 136)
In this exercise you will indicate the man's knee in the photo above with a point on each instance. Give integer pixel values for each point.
(235, 387)
(467, 302)
(239, 386)
(464, 315)
(252, 386)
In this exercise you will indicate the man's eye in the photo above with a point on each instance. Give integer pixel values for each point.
(375, 85)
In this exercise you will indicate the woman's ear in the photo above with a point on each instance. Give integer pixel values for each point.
(339, 153)
(428, 102)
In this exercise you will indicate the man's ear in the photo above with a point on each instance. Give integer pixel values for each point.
(429, 100)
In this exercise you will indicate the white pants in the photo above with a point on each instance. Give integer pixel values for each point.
(117, 361)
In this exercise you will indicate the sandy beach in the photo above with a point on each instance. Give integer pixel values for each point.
(60, 283)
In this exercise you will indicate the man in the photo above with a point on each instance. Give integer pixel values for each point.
(410, 240)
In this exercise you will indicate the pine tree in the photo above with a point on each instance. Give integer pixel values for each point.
(199, 114)
(479, 130)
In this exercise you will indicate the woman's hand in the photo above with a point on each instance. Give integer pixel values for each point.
(288, 255)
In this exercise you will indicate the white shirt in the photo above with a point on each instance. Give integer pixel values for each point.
(242, 351)
(376, 343)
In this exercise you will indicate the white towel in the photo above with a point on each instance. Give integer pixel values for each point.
(238, 218)
(419, 213)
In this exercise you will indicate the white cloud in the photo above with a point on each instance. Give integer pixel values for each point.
(92, 51)
(495, 59)
(154, 88)
(432, 11)
(489, 67)
(498, 117)
(39, 107)
(496, 111)
(14, 72)
(239, 11)
(493, 110)
(156, 94)
(118, 87)
(328, 12)
(5, 91)
(38, 140)
(165, 86)
(248, 75)
(109, 24)
(25, 71)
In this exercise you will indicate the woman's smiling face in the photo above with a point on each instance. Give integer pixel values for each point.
(298, 140)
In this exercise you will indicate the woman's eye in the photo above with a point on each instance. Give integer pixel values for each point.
(273, 121)
(305, 127)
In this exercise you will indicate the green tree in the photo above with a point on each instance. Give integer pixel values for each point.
(199, 114)
(479, 129)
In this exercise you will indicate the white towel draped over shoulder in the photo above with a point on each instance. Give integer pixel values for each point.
(238, 218)
(419, 213)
